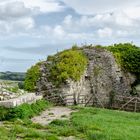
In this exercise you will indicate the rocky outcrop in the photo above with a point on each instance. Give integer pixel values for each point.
(102, 80)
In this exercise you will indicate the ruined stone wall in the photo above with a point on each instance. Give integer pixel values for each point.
(106, 77)
(27, 98)
(77, 92)
(102, 79)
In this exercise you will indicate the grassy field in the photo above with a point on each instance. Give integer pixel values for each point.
(86, 124)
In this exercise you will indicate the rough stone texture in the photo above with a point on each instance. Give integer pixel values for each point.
(102, 79)
(137, 90)
(67, 94)
(106, 77)
(27, 98)
(76, 92)
(6, 93)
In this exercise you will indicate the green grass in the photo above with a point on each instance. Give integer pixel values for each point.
(24, 130)
(86, 124)
(99, 124)
(23, 111)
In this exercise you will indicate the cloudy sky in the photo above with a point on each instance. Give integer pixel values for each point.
(32, 29)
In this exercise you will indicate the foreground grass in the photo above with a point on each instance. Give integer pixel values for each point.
(24, 111)
(86, 124)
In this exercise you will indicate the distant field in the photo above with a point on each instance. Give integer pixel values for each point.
(86, 124)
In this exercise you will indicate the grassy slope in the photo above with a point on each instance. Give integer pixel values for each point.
(86, 124)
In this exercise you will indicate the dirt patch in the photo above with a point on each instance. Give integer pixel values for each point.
(68, 138)
(53, 113)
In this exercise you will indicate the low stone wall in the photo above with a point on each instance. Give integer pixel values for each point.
(27, 98)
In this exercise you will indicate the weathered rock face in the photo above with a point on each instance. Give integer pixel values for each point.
(77, 92)
(102, 79)
(106, 77)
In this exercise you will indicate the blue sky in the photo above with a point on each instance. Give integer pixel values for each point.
(32, 29)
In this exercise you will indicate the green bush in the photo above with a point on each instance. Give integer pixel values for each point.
(23, 111)
(3, 113)
(69, 64)
(31, 78)
(128, 56)
(21, 85)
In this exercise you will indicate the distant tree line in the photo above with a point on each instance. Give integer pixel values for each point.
(15, 76)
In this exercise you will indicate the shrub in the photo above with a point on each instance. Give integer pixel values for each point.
(3, 113)
(128, 56)
(31, 78)
(69, 64)
(21, 85)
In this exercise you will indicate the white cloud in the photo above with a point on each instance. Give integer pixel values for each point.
(58, 31)
(68, 20)
(18, 16)
(44, 5)
(119, 22)
(105, 32)
(20, 26)
(121, 33)
(122, 17)
(133, 12)
(24, 23)
(13, 10)
(90, 7)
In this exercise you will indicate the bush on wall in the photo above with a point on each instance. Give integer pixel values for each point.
(128, 56)
(69, 64)
(31, 78)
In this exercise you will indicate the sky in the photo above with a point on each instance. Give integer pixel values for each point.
(30, 30)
